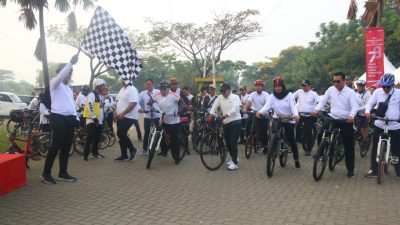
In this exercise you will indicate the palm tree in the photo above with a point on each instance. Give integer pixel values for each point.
(373, 11)
(6, 75)
(28, 17)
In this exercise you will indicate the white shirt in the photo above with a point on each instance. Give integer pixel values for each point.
(169, 105)
(363, 99)
(44, 112)
(90, 101)
(34, 104)
(306, 101)
(125, 96)
(190, 97)
(285, 107)
(144, 98)
(80, 103)
(258, 100)
(243, 100)
(343, 103)
(393, 111)
(109, 104)
(228, 106)
(62, 99)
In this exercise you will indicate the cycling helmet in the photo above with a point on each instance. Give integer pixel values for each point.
(360, 82)
(387, 79)
(98, 82)
(17, 116)
(164, 85)
(259, 82)
(278, 81)
(173, 80)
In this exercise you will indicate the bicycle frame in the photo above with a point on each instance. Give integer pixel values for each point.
(384, 137)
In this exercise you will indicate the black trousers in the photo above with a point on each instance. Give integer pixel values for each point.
(394, 147)
(243, 129)
(109, 121)
(122, 132)
(289, 132)
(172, 131)
(347, 135)
(147, 124)
(92, 139)
(61, 132)
(231, 135)
(45, 127)
(261, 127)
(308, 123)
(139, 133)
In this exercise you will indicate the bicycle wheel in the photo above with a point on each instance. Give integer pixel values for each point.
(79, 143)
(43, 144)
(271, 155)
(152, 150)
(333, 153)
(104, 141)
(183, 145)
(250, 145)
(381, 162)
(339, 153)
(320, 160)
(12, 126)
(212, 152)
(112, 138)
(283, 155)
(364, 146)
(194, 139)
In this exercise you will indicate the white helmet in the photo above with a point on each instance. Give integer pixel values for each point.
(360, 82)
(98, 82)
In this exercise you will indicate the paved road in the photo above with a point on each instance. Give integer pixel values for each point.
(108, 192)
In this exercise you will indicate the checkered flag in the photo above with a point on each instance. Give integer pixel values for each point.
(106, 40)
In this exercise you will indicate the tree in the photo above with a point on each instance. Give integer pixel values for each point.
(374, 11)
(6, 75)
(28, 17)
(52, 68)
(194, 41)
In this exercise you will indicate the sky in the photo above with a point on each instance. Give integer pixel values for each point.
(285, 23)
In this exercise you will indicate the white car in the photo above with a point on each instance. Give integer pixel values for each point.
(10, 101)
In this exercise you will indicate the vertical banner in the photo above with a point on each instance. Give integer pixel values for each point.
(374, 47)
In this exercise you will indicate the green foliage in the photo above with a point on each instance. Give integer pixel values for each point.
(52, 73)
(20, 88)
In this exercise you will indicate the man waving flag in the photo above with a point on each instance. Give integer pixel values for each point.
(106, 40)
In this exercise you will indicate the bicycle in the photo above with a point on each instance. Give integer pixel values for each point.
(212, 149)
(278, 145)
(304, 140)
(364, 144)
(330, 149)
(383, 155)
(251, 139)
(155, 137)
(21, 128)
(200, 128)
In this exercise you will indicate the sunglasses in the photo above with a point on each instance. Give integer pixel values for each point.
(386, 87)
(336, 81)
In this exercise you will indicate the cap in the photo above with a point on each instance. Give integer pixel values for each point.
(305, 82)
(242, 87)
(212, 86)
(225, 87)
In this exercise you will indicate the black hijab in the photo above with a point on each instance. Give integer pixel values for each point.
(281, 95)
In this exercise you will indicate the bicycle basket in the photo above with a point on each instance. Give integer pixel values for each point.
(17, 116)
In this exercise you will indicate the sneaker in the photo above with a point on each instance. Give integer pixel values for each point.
(233, 166)
(370, 174)
(230, 162)
(48, 179)
(297, 164)
(132, 155)
(143, 153)
(121, 159)
(67, 177)
(99, 156)
(350, 174)
(85, 158)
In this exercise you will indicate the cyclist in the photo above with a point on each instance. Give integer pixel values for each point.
(229, 106)
(168, 103)
(94, 114)
(244, 96)
(210, 98)
(146, 102)
(392, 96)
(284, 105)
(307, 99)
(360, 121)
(80, 103)
(344, 105)
(256, 101)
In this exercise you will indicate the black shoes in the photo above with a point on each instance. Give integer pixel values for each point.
(297, 164)
(350, 174)
(48, 179)
(67, 177)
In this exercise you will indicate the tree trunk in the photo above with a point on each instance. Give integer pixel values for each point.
(44, 50)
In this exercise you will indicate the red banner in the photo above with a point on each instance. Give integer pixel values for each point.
(374, 47)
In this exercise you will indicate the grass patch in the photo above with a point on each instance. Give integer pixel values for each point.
(3, 139)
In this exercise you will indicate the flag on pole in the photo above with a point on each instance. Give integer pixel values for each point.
(106, 41)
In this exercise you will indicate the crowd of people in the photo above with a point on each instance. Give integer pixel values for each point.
(94, 108)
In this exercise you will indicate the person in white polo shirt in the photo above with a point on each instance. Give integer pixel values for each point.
(256, 101)
(388, 93)
(244, 96)
(62, 122)
(284, 105)
(125, 114)
(307, 99)
(229, 106)
(344, 105)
